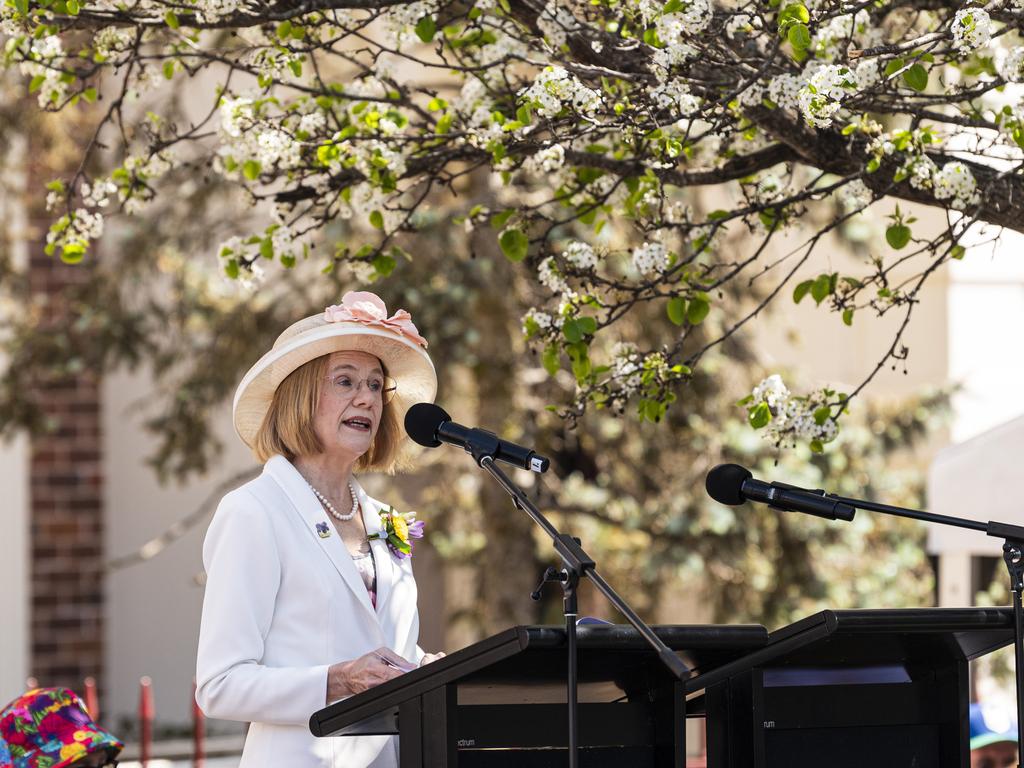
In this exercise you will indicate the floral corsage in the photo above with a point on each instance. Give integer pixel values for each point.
(400, 528)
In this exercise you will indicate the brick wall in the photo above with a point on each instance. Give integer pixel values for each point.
(66, 493)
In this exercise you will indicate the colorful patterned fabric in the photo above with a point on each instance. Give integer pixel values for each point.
(50, 728)
(5, 755)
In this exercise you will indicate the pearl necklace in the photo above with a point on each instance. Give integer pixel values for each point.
(330, 507)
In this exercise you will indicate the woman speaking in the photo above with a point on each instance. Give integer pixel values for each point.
(310, 595)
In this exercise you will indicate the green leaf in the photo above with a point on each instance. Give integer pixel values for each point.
(36, 83)
(588, 325)
(499, 220)
(384, 265)
(759, 416)
(893, 67)
(73, 7)
(821, 287)
(676, 309)
(799, 37)
(898, 235)
(267, 248)
(916, 77)
(251, 170)
(817, 447)
(794, 13)
(698, 309)
(377, 220)
(426, 28)
(231, 268)
(821, 415)
(168, 69)
(572, 332)
(801, 290)
(21, 6)
(171, 20)
(957, 252)
(550, 359)
(514, 244)
(72, 253)
(848, 317)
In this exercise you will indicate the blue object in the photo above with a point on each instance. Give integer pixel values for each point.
(991, 724)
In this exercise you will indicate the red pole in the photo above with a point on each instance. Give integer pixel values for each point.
(198, 732)
(145, 719)
(92, 701)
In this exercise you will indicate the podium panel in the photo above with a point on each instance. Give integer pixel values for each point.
(880, 688)
(502, 701)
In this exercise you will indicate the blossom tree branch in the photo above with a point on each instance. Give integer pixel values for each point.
(595, 123)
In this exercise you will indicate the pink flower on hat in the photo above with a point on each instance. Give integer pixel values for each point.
(368, 308)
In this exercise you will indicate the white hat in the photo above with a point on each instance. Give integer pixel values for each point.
(359, 323)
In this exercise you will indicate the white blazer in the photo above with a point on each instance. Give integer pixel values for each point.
(283, 603)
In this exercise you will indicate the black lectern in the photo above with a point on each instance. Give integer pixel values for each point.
(501, 702)
(850, 689)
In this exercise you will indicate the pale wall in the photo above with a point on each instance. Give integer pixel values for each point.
(153, 607)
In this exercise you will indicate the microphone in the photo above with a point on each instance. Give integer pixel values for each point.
(732, 485)
(429, 425)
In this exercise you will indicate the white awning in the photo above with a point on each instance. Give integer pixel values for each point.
(980, 479)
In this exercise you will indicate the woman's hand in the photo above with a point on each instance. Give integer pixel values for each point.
(429, 657)
(371, 669)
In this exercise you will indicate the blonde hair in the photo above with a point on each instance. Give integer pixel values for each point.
(287, 428)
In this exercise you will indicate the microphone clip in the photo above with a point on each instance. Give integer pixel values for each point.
(481, 444)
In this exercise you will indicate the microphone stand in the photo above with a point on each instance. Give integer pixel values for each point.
(576, 564)
(1013, 557)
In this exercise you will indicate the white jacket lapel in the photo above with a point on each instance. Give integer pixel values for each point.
(382, 557)
(311, 514)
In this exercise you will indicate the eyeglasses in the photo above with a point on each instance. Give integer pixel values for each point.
(347, 386)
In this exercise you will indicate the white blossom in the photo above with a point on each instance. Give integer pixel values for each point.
(793, 418)
(742, 22)
(550, 277)
(556, 88)
(956, 183)
(784, 90)
(689, 22)
(580, 255)
(44, 60)
(855, 196)
(972, 28)
(650, 258)
(1010, 64)
(625, 368)
(537, 317)
(771, 390)
(675, 95)
(547, 160)
(824, 92)
(555, 22)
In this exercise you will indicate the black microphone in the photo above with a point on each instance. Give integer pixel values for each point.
(732, 484)
(429, 425)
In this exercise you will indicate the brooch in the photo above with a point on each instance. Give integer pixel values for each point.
(322, 530)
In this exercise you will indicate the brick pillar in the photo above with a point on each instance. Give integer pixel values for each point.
(66, 484)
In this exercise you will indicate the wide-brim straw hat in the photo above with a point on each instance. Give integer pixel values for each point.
(361, 324)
